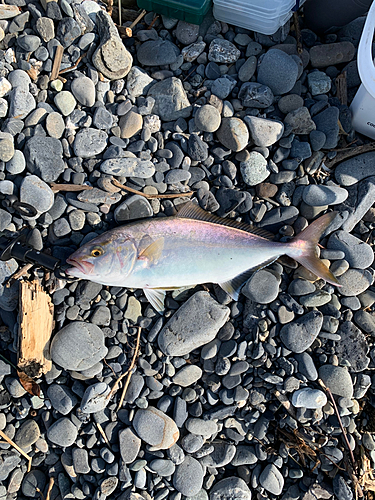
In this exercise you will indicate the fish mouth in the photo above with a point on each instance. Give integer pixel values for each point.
(82, 266)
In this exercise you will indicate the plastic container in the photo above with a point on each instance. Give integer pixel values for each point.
(325, 16)
(263, 16)
(363, 104)
(191, 11)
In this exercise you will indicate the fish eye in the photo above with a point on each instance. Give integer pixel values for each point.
(97, 252)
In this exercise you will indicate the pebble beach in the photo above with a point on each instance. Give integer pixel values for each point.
(270, 397)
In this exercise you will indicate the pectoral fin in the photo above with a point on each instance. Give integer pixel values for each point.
(153, 252)
(156, 298)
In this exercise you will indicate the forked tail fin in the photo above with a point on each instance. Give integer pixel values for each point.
(302, 248)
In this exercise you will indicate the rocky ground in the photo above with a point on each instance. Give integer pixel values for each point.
(226, 400)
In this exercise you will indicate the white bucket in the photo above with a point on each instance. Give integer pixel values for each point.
(363, 104)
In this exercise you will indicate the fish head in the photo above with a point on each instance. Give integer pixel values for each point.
(105, 259)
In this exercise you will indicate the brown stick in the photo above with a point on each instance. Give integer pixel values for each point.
(298, 32)
(56, 62)
(100, 428)
(328, 391)
(22, 272)
(50, 486)
(129, 29)
(69, 187)
(151, 196)
(342, 88)
(74, 65)
(128, 373)
(153, 22)
(365, 148)
(20, 450)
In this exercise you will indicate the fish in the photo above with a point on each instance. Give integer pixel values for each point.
(191, 248)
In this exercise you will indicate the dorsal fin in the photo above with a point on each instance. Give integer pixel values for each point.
(193, 211)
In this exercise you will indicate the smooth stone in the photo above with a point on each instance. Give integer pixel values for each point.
(138, 82)
(171, 101)
(337, 379)
(289, 103)
(133, 310)
(130, 445)
(355, 169)
(111, 57)
(223, 51)
(262, 287)
(63, 432)
(200, 427)
(327, 122)
(319, 195)
(247, 70)
(188, 478)
(163, 468)
(33, 480)
(95, 398)
(330, 54)
(195, 324)
(187, 375)
(300, 121)
(55, 125)
(83, 89)
(27, 434)
(357, 253)
(61, 398)
(130, 124)
(319, 83)
(255, 169)
(355, 281)
(309, 398)
(44, 157)
(89, 142)
(264, 132)
(187, 33)
(365, 321)
(157, 53)
(128, 167)
(78, 346)
(65, 102)
(353, 347)
(134, 207)
(222, 454)
(230, 488)
(37, 193)
(278, 71)
(271, 479)
(245, 455)
(21, 103)
(233, 134)
(156, 428)
(301, 333)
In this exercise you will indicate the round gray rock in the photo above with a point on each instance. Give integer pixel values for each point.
(272, 480)
(233, 134)
(78, 346)
(337, 379)
(254, 170)
(89, 142)
(319, 196)
(278, 71)
(262, 287)
(83, 89)
(207, 118)
(300, 334)
(62, 432)
(188, 478)
(231, 488)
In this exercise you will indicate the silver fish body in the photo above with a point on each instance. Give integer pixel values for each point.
(172, 252)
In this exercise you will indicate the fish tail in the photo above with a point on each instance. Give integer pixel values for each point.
(302, 248)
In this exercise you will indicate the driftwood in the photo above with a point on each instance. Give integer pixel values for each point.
(36, 324)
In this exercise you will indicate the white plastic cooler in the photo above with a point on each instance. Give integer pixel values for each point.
(263, 16)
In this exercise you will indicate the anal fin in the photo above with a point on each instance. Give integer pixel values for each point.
(156, 298)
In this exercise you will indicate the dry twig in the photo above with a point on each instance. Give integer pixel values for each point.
(74, 65)
(342, 88)
(330, 395)
(151, 196)
(20, 450)
(22, 272)
(128, 373)
(349, 153)
(100, 429)
(56, 62)
(129, 29)
(69, 187)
